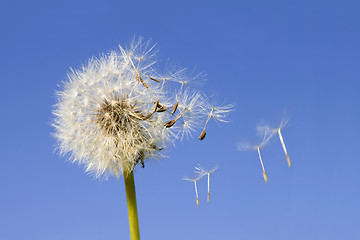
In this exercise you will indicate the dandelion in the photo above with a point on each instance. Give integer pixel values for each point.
(117, 111)
(194, 179)
(202, 171)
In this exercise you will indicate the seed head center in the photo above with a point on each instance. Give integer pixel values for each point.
(117, 115)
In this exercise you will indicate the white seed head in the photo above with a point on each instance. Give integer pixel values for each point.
(116, 111)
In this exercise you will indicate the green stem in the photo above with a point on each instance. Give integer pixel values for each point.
(131, 204)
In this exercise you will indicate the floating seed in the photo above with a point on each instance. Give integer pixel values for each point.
(284, 148)
(265, 176)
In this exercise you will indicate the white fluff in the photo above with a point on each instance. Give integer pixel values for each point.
(110, 114)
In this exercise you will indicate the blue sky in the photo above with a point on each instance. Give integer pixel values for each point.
(266, 57)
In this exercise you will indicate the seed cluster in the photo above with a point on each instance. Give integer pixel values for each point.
(117, 111)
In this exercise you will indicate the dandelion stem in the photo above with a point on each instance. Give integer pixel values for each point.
(283, 146)
(197, 196)
(131, 204)
(262, 165)
(208, 196)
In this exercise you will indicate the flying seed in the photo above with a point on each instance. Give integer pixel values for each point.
(284, 148)
(202, 172)
(196, 191)
(265, 176)
(197, 196)
(262, 165)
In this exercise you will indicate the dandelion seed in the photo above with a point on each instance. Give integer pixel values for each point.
(266, 130)
(284, 148)
(267, 134)
(172, 122)
(218, 113)
(262, 165)
(143, 82)
(203, 171)
(283, 123)
(137, 77)
(195, 179)
(156, 105)
(154, 79)
(197, 196)
(162, 109)
(202, 135)
(175, 107)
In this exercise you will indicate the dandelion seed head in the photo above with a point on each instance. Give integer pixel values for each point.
(112, 114)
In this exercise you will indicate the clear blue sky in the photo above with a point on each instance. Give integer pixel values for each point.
(264, 56)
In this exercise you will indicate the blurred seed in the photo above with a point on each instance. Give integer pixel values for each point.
(170, 123)
(288, 160)
(156, 105)
(147, 116)
(284, 148)
(162, 109)
(137, 77)
(153, 79)
(137, 116)
(133, 104)
(265, 176)
(175, 107)
(143, 82)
